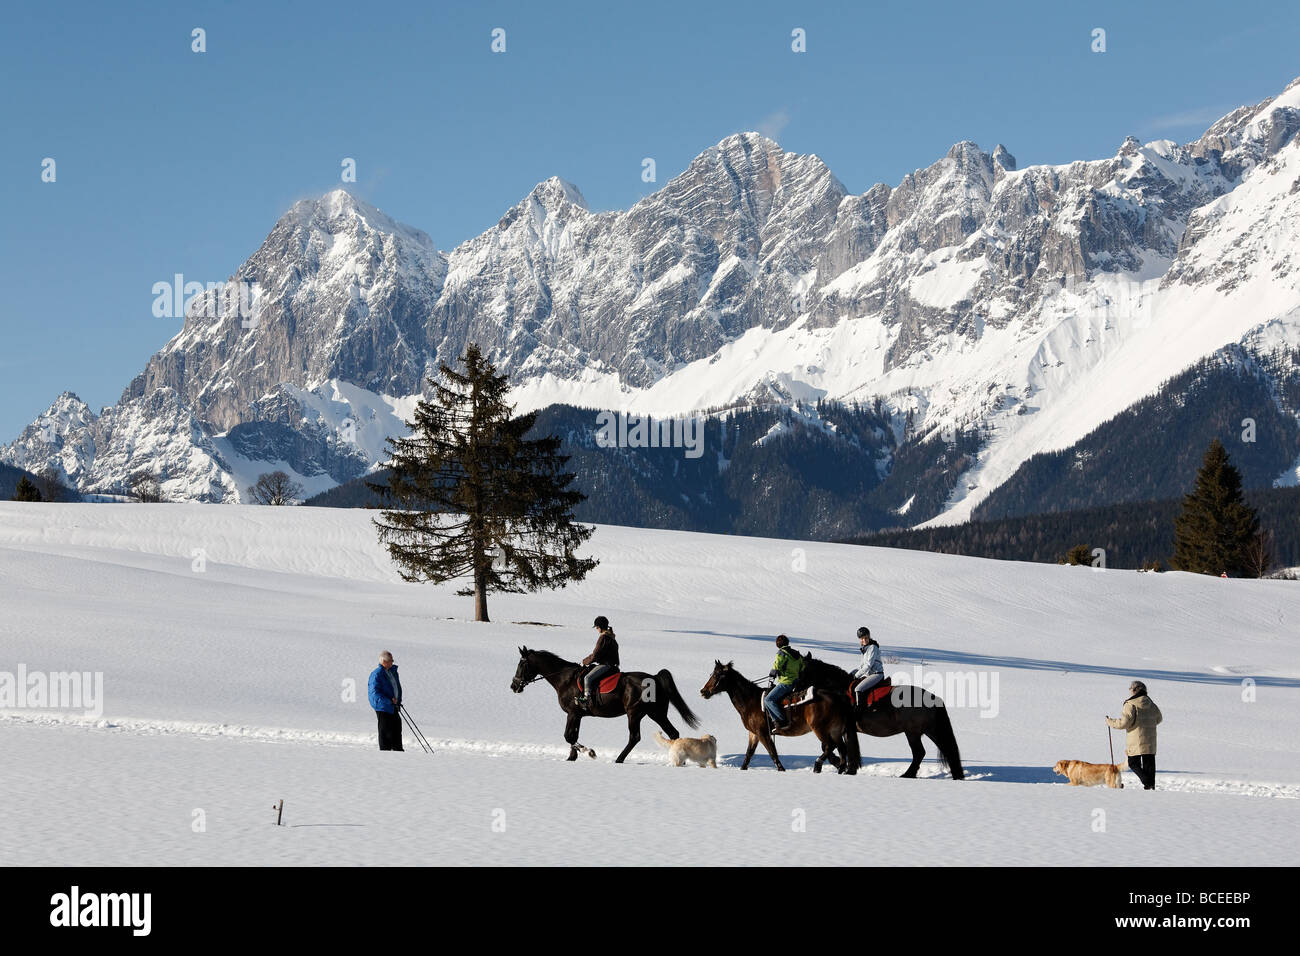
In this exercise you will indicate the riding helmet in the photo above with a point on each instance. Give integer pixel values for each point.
(602, 622)
(864, 632)
(782, 641)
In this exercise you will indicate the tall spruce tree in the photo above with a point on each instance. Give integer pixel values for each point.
(1215, 531)
(26, 490)
(476, 498)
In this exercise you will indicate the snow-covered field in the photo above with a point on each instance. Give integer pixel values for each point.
(228, 640)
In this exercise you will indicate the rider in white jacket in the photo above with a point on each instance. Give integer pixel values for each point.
(870, 671)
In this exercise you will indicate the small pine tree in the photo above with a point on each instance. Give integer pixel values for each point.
(1215, 531)
(477, 499)
(26, 490)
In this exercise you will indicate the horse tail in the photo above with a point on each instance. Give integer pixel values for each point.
(852, 752)
(665, 680)
(943, 737)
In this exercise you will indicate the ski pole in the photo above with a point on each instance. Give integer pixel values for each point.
(414, 727)
(411, 727)
(1110, 740)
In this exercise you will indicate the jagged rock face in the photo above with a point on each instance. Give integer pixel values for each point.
(971, 240)
(63, 438)
(1261, 213)
(309, 449)
(98, 454)
(342, 292)
(722, 248)
(750, 245)
(160, 435)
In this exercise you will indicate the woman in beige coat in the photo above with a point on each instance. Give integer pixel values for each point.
(1139, 717)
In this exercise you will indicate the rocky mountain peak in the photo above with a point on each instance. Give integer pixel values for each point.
(751, 163)
(746, 143)
(753, 265)
(967, 154)
(556, 192)
(1250, 134)
(339, 212)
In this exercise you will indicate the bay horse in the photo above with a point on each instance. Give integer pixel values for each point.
(908, 710)
(830, 719)
(638, 695)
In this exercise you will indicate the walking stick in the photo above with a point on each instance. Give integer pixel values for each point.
(1110, 740)
(406, 718)
(419, 736)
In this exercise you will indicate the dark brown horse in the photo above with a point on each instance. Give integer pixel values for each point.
(638, 695)
(908, 709)
(830, 719)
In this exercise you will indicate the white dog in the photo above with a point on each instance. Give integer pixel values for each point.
(703, 750)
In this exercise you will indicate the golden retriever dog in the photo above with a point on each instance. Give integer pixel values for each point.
(1083, 774)
(703, 750)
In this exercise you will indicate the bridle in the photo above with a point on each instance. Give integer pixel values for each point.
(532, 680)
(727, 680)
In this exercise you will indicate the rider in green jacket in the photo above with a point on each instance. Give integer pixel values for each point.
(785, 671)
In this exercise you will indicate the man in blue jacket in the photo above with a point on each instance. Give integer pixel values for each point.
(386, 698)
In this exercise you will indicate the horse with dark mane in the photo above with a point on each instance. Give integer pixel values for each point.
(637, 695)
(908, 709)
(829, 718)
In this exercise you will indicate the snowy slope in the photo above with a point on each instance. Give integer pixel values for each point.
(224, 690)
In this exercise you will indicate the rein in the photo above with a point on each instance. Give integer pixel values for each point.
(740, 684)
(542, 676)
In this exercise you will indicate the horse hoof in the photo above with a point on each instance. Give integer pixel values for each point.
(817, 768)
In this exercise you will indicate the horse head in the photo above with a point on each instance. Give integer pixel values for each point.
(718, 680)
(525, 673)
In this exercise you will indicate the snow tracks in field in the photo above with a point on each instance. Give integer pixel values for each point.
(492, 748)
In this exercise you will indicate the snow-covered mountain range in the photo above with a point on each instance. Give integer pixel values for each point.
(1029, 305)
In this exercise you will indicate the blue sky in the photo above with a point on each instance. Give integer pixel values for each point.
(174, 161)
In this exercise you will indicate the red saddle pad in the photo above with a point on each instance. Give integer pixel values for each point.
(607, 683)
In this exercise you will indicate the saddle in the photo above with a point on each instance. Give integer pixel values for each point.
(875, 695)
(608, 683)
(798, 697)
